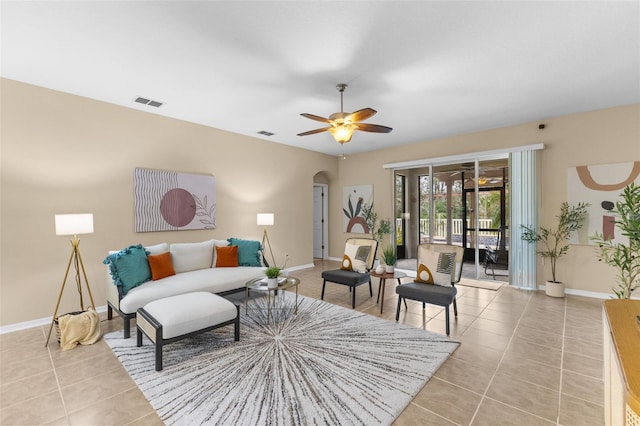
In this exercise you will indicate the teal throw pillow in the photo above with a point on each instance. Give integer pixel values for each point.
(129, 267)
(249, 251)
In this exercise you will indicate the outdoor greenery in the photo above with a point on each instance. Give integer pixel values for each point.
(554, 241)
(624, 257)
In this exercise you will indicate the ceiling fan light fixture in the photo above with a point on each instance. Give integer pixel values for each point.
(342, 133)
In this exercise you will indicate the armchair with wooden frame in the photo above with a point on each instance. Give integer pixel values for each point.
(439, 270)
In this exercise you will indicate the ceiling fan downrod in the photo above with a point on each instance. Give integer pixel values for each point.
(341, 87)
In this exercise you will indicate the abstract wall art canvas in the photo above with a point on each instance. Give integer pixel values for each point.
(354, 199)
(600, 185)
(171, 201)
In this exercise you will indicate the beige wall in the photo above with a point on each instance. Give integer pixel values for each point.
(599, 137)
(67, 154)
(64, 154)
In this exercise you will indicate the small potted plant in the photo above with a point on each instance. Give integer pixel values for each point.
(272, 274)
(555, 241)
(389, 257)
(624, 256)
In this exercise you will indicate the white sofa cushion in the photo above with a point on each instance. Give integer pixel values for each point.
(212, 280)
(157, 249)
(190, 312)
(191, 256)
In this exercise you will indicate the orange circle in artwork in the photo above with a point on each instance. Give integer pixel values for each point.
(178, 207)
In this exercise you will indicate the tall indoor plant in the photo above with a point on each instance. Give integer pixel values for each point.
(553, 242)
(378, 229)
(624, 257)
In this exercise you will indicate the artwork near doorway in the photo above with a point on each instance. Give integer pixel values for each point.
(354, 199)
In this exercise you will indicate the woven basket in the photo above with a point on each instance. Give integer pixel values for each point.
(58, 326)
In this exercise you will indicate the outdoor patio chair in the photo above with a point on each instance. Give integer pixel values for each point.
(439, 270)
(357, 261)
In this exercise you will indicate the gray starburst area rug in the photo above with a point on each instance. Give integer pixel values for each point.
(325, 365)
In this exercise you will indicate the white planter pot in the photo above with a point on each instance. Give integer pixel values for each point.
(272, 282)
(389, 269)
(554, 289)
(380, 269)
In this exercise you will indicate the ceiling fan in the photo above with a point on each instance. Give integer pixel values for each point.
(343, 124)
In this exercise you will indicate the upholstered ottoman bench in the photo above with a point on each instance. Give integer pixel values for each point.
(174, 318)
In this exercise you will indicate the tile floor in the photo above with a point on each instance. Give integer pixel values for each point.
(525, 359)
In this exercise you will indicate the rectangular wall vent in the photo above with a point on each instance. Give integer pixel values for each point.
(149, 102)
(265, 133)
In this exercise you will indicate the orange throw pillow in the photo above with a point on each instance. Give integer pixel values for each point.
(161, 266)
(226, 256)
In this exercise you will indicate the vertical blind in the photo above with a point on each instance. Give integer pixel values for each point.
(524, 202)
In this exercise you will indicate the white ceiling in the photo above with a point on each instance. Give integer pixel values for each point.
(430, 69)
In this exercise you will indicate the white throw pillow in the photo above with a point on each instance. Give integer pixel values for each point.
(157, 249)
(192, 256)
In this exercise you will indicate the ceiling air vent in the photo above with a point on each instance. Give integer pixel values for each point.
(149, 102)
(265, 133)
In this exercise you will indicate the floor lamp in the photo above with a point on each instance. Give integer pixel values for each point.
(73, 224)
(266, 219)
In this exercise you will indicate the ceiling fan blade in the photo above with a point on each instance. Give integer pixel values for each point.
(315, 117)
(361, 114)
(375, 128)
(312, 132)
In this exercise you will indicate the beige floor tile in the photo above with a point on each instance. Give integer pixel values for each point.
(543, 338)
(583, 365)
(584, 387)
(583, 347)
(119, 409)
(577, 412)
(481, 356)
(414, 415)
(462, 318)
(494, 413)
(509, 317)
(43, 409)
(531, 372)
(591, 334)
(88, 368)
(534, 399)
(18, 368)
(449, 401)
(439, 326)
(485, 338)
(27, 388)
(465, 375)
(496, 327)
(151, 419)
(525, 349)
(81, 394)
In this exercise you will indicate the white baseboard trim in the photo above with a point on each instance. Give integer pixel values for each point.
(37, 322)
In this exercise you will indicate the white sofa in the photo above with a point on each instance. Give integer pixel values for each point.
(196, 270)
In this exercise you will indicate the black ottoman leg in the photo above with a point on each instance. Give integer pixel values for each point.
(398, 308)
(139, 337)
